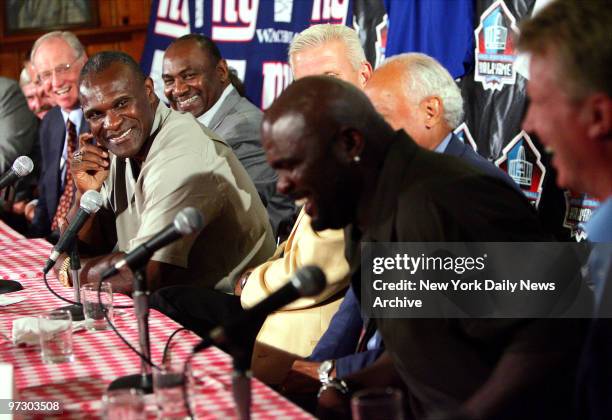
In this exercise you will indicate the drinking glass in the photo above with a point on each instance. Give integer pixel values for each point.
(55, 335)
(124, 404)
(377, 404)
(170, 387)
(93, 310)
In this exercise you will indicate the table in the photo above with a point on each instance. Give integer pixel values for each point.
(100, 356)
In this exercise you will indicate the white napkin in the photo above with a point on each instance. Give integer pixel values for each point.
(25, 330)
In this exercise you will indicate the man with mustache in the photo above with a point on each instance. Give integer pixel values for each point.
(38, 100)
(39, 103)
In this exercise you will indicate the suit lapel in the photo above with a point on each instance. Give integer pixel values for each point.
(228, 104)
(56, 146)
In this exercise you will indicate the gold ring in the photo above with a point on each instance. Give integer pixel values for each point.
(77, 156)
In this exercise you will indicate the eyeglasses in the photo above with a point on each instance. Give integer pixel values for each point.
(58, 70)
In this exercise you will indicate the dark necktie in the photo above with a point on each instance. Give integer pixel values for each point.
(65, 201)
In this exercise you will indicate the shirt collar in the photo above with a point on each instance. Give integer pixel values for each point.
(75, 115)
(599, 227)
(441, 148)
(207, 117)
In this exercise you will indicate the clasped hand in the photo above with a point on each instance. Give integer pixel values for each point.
(89, 165)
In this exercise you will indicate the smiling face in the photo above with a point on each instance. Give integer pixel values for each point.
(310, 170)
(38, 100)
(560, 123)
(329, 59)
(193, 82)
(120, 109)
(61, 86)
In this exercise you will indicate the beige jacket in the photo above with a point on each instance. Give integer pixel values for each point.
(294, 331)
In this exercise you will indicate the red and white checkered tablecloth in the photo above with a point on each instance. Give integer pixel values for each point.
(100, 356)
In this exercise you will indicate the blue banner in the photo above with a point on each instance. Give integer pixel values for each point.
(253, 36)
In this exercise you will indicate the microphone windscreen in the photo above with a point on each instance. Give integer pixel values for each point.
(23, 165)
(309, 280)
(188, 220)
(91, 201)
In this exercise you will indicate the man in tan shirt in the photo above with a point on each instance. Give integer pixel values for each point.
(150, 162)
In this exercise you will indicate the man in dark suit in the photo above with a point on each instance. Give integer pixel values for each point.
(58, 58)
(388, 189)
(197, 80)
(414, 93)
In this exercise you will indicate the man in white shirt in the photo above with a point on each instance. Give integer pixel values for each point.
(197, 80)
(58, 58)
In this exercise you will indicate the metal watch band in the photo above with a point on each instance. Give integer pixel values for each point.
(338, 384)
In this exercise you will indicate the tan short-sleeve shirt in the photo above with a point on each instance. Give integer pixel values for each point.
(188, 165)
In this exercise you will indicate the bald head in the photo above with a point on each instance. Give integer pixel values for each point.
(322, 135)
(415, 93)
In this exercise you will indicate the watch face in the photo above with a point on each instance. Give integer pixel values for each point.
(64, 278)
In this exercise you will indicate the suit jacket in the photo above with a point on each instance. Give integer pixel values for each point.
(52, 135)
(461, 150)
(17, 129)
(594, 380)
(293, 331)
(426, 197)
(238, 122)
(340, 340)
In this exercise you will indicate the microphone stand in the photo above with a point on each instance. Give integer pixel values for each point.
(142, 380)
(241, 386)
(76, 310)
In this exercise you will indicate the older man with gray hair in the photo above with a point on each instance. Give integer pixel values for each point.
(415, 93)
(58, 58)
(330, 50)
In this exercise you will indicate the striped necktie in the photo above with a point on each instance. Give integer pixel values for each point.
(65, 201)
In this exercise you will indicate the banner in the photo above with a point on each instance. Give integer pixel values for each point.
(253, 36)
(475, 41)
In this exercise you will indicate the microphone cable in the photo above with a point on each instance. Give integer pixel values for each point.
(105, 312)
(114, 328)
(56, 294)
(53, 292)
(126, 342)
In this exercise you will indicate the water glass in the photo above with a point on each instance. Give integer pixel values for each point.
(55, 335)
(123, 404)
(169, 387)
(377, 403)
(93, 310)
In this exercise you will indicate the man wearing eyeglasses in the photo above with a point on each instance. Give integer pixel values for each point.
(58, 58)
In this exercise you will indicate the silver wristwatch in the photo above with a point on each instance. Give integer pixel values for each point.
(338, 384)
(325, 370)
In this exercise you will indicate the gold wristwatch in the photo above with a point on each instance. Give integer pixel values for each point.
(63, 274)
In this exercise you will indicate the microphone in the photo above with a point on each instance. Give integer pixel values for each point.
(91, 202)
(307, 281)
(22, 166)
(186, 221)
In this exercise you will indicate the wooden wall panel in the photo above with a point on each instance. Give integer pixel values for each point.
(122, 25)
